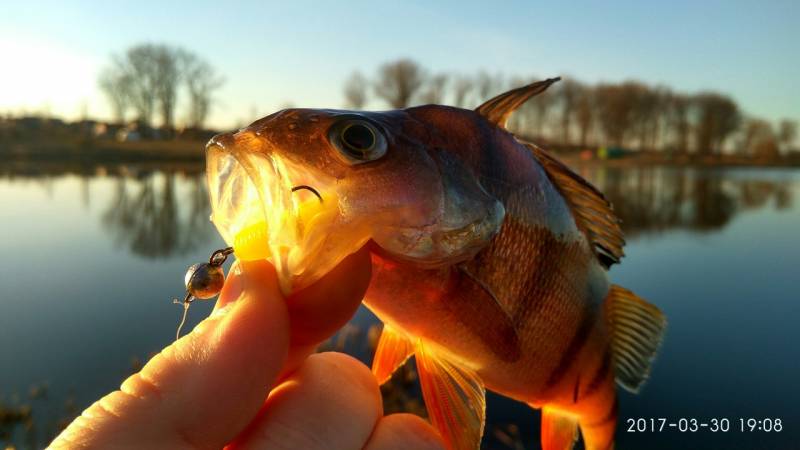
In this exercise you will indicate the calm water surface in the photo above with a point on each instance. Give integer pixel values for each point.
(90, 262)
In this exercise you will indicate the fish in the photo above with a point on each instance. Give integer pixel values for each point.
(489, 257)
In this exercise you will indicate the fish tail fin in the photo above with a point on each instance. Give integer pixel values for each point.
(559, 430)
(636, 328)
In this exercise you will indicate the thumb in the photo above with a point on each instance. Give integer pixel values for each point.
(202, 390)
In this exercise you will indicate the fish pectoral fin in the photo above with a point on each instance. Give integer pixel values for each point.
(559, 430)
(637, 328)
(472, 302)
(454, 396)
(393, 350)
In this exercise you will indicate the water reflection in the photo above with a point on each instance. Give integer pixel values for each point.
(656, 199)
(148, 217)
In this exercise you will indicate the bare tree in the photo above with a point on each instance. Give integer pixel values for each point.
(759, 138)
(115, 85)
(398, 82)
(138, 64)
(754, 132)
(168, 75)
(521, 121)
(434, 90)
(616, 104)
(201, 82)
(787, 132)
(584, 115)
(567, 92)
(355, 91)
(678, 120)
(645, 113)
(540, 109)
(148, 77)
(461, 89)
(717, 117)
(488, 85)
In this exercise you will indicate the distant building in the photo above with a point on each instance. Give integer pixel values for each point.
(612, 152)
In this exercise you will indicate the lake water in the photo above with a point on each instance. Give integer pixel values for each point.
(89, 260)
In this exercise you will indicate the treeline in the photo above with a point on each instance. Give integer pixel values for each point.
(572, 113)
(148, 80)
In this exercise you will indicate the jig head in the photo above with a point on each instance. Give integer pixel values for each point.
(203, 281)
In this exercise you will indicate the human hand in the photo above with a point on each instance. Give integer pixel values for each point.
(243, 378)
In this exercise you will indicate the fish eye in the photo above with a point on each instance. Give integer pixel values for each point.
(357, 140)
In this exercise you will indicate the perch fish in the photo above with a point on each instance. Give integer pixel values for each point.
(489, 256)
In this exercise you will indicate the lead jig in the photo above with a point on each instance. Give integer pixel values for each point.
(203, 281)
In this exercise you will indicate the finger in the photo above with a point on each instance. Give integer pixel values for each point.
(319, 310)
(203, 389)
(331, 402)
(402, 432)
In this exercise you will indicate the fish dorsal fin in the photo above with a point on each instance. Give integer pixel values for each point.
(559, 430)
(498, 109)
(636, 328)
(594, 215)
(454, 397)
(393, 350)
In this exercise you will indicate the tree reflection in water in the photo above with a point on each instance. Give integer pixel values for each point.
(148, 217)
(653, 199)
(151, 218)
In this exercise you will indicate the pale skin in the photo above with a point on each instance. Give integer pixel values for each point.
(246, 377)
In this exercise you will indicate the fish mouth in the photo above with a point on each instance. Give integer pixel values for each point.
(290, 209)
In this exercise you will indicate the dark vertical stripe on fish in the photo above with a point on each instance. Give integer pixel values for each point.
(600, 375)
(575, 345)
(575, 391)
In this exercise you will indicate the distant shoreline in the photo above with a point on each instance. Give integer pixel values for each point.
(86, 156)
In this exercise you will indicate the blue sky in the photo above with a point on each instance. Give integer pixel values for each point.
(300, 52)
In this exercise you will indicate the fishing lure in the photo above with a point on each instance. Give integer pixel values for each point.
(204, 281)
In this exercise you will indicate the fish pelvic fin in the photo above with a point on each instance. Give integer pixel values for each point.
(594, 215)
(454, 397)
(498, 109)
(559, 430)
(637, 329)
(393, 351)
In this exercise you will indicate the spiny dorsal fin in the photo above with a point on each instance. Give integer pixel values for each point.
(594, 215)
(636, 329)
(498, 109)
(393, 350)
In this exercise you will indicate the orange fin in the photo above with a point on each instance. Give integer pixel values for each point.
(559, 431)
(498, 109)
(637, 328)
(393, 350)
(455, 398)
(594, 215)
